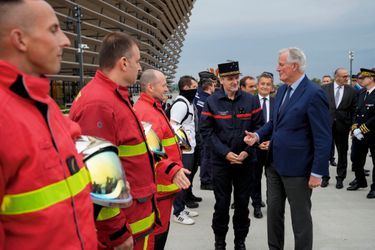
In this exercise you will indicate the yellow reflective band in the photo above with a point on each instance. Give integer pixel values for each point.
(166, 188)
(145, 245)
(46, 196)
(142, 225)
(132, 150)
(169, 141)
(107, 213)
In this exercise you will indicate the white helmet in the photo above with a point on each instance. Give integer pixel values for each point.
(107, 174)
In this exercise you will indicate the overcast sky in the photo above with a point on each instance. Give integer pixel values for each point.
(252, 32)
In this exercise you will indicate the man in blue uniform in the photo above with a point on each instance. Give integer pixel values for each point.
(224, 119)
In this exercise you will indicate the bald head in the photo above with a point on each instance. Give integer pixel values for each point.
(154, 84)
(30, 36)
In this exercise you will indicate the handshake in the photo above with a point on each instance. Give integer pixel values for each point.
(252, 138)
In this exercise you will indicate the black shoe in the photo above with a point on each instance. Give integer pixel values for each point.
(333, 163)
(353, 182)
(258, 213)
(262, 204)
(339, 184)
(220, 243)
(357, 186)
(239, 245)
(194, 198)
(191, 204)
(232, 206)
(324, 183)
(207, 187)
(371, 194)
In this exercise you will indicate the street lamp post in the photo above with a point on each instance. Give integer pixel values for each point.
(351, 57)
(77, 15)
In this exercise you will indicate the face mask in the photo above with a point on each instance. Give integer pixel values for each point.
(189, 94)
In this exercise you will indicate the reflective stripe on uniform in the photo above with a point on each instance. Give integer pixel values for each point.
(132, 150)
(142, 225)
(145, 245)
(107, 213)
(46, 196)
(169, 141)
(166, 188)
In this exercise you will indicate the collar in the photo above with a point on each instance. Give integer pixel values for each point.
(36, 87)
(335, 85)
(150, 100)
(108, 83)
(261, 97)
(370, 90)
(295, 85)
(223, 94)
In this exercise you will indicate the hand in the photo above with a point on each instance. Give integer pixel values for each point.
(264, 145)
(180, 178)
(233, 158)
(250, 138)
(314, 182)
(358, 134)
(126, 245)
(242, 156)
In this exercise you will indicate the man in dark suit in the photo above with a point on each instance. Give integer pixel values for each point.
(264, 86)
(342, 99)
(301, 132)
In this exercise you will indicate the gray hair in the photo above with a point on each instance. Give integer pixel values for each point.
(295, 55)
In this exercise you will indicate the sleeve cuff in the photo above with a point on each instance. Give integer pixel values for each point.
(317, 175)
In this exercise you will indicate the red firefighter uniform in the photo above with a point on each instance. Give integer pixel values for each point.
(151, 111)
(44, 188)
(103, 109)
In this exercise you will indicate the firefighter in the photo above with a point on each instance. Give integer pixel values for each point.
(363, 132)
(103, 109)
(224, 119)
(170, 174)
(44, 186)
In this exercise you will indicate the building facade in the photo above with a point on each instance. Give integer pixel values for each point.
(159, 26)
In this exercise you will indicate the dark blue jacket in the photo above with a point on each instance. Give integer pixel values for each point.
(301, 133)
(223, 122)
(200, 99)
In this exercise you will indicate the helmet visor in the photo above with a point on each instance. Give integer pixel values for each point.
(153, 141)
(182, 138)
(108, 181)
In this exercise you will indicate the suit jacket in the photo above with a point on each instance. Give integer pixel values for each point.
(301, 132)
(342, 116)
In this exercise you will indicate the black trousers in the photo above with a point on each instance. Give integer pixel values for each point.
(256, 189)
(341, 139)
(205, 164)
(359, 154)
(296, 190)
(226, 176)
(179, 201)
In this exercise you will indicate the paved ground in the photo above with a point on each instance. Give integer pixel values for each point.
(342, 220)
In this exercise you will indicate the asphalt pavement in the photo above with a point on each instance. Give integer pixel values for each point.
(342, 220)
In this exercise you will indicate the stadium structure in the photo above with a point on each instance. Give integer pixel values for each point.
(159, 26)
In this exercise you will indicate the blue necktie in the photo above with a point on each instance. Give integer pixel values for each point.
(286, 100)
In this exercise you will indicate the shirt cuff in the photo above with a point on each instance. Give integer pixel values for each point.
(317, 175)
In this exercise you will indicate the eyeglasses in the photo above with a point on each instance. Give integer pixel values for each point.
(346, 76)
